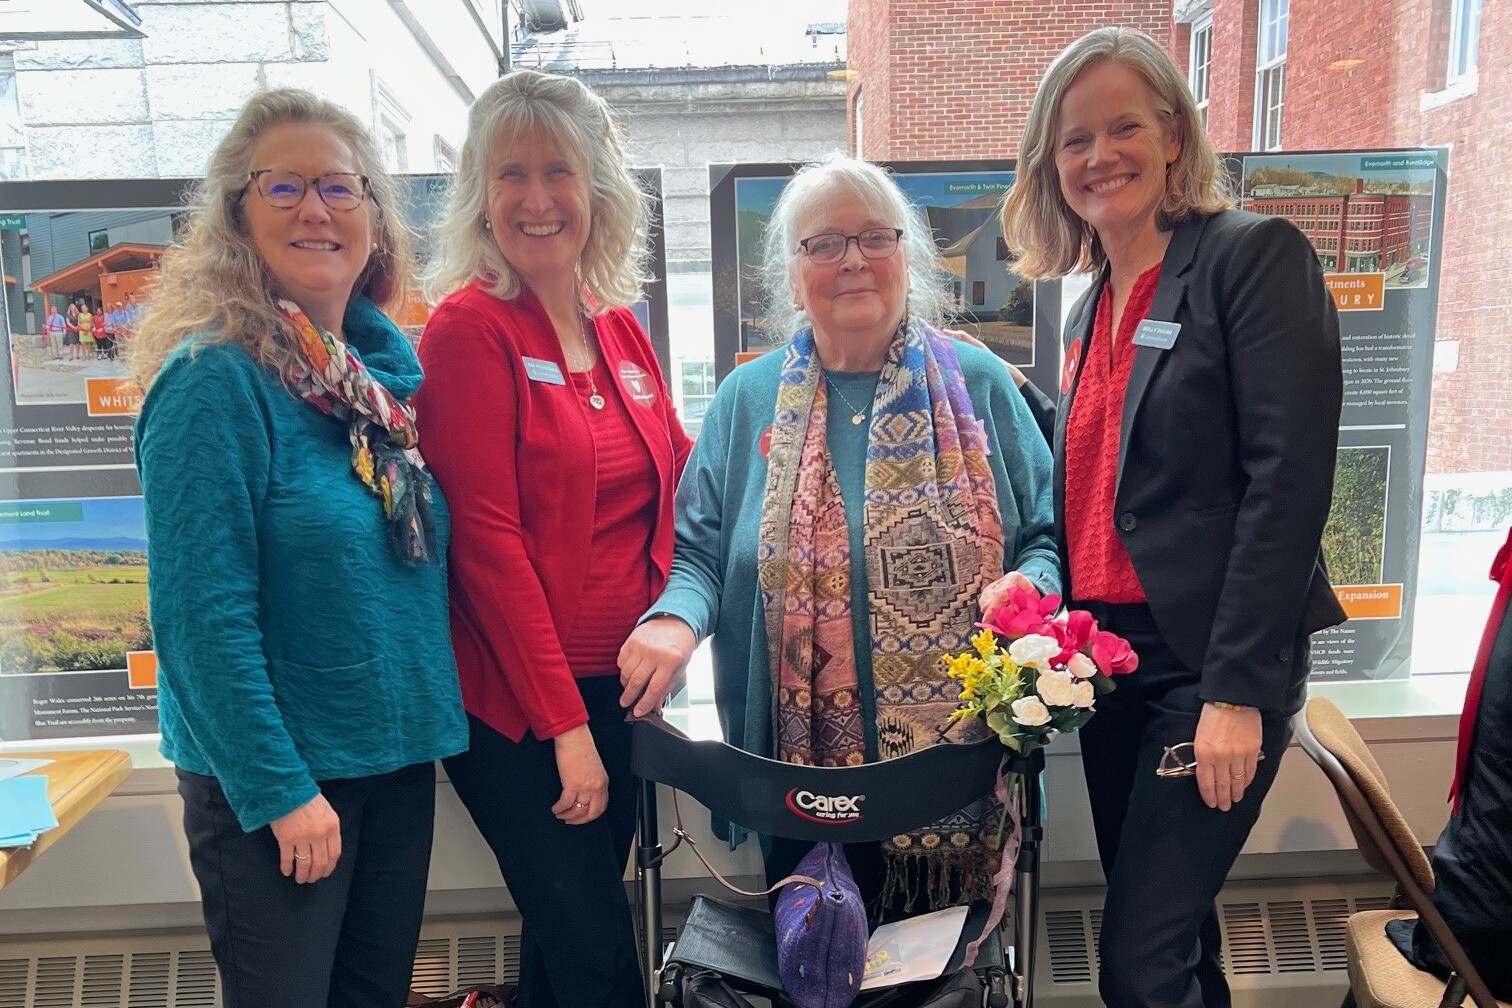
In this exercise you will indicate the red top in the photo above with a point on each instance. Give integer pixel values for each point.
(511, 442)
(624, 515)
(1100, 566)
(1501, 573)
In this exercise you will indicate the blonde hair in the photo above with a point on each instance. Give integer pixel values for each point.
(1038, 225)
(215, 286)
(614, 263)
(817, 182)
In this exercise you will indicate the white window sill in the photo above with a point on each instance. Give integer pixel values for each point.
(1453, 92)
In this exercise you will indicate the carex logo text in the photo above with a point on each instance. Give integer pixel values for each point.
(822, 808)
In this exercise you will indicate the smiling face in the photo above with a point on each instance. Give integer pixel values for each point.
(856, 300)
(1112, 149)
(313, 253)
(539, 207)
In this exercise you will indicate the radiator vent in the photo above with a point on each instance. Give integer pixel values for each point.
(1289, 947)
(1072, 943)
(1261, 937)
(150, 980)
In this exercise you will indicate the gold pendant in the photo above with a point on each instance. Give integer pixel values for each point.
(596, 401)
(856, 420)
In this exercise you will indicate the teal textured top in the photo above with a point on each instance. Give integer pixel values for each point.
(293, 645)
(713, 584)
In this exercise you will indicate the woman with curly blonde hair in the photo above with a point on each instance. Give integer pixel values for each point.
(546, 418)
(298, 597)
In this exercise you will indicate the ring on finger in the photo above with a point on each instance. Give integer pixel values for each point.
(301, 857)
(578, 804)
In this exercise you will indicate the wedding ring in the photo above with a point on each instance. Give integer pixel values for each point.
(1237, 776)
(301, 857)
(578, 804)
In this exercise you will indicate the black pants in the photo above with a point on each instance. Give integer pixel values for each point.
(577, 940)
(347, 941)
(1164, 852)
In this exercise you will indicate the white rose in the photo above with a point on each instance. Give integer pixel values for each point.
(1029, 712)
(1082, 694)
(1081, 666)
(1034, 651)
(1055, 689)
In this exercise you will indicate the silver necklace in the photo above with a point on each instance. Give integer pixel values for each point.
(857, 416)
(594, 399)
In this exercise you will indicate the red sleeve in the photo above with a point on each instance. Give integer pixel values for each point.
(467, 413)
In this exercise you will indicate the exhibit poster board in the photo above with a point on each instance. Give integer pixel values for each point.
(76, 657)
(958, 202)
(1375, 219)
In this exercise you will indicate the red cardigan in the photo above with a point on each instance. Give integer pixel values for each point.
(514, 456)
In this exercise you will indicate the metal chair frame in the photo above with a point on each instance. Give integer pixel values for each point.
(1381, 851)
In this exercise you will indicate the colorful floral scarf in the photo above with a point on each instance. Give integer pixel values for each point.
(385, 444)
(934, 540)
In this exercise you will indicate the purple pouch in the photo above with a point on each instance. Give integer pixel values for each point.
(821, 934)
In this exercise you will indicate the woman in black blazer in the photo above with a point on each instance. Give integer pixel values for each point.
(1194, 452)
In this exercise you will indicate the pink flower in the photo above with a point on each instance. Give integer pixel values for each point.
(1113, 654)
(1022, 611)
(1076, 631)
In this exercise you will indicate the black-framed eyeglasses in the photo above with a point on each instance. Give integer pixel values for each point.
(829, 246)
(286, 190)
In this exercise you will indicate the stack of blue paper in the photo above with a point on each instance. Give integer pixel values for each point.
(25, 811)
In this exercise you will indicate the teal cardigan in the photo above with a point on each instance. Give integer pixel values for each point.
(293, 645)
(713, 585)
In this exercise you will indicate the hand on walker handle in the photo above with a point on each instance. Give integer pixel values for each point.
(653, 661)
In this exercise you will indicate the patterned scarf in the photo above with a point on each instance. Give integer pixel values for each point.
(385, 444)
(934, 539)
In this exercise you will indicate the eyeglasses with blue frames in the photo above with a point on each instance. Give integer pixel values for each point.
(286, 190)
(830, 246)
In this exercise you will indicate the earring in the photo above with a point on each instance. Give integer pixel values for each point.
(487, 225)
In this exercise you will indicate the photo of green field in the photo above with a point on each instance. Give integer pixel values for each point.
(73, 585)
(1354, 537)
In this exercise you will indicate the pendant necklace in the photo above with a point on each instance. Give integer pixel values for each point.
(857, 416)
(594, 399)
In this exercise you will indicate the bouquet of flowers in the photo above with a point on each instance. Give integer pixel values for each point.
(1034, 674)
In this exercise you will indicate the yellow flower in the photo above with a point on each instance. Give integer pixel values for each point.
(364, 462)
(985, 643)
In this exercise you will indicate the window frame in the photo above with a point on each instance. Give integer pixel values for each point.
(1199, 64)
(1270, 72)
(1463, 56)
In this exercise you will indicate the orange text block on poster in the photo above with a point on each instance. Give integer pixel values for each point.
(141, 669)
(1370, 601)
(746, 356)
(112, 397)
(1357, 291)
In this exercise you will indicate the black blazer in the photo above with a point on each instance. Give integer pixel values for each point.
(1226, 454)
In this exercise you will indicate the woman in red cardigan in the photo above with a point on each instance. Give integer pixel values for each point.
(549, 427)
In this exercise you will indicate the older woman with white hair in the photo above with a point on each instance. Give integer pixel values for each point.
(305, 679)
(549, 426)
(850, 496)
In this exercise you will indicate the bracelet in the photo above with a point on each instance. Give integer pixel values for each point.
(1224, 705)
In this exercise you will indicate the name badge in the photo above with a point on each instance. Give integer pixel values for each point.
(543, 371)
(1160, 335)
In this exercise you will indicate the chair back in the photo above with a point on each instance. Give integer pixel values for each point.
(872, 801)
(1386, 841)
